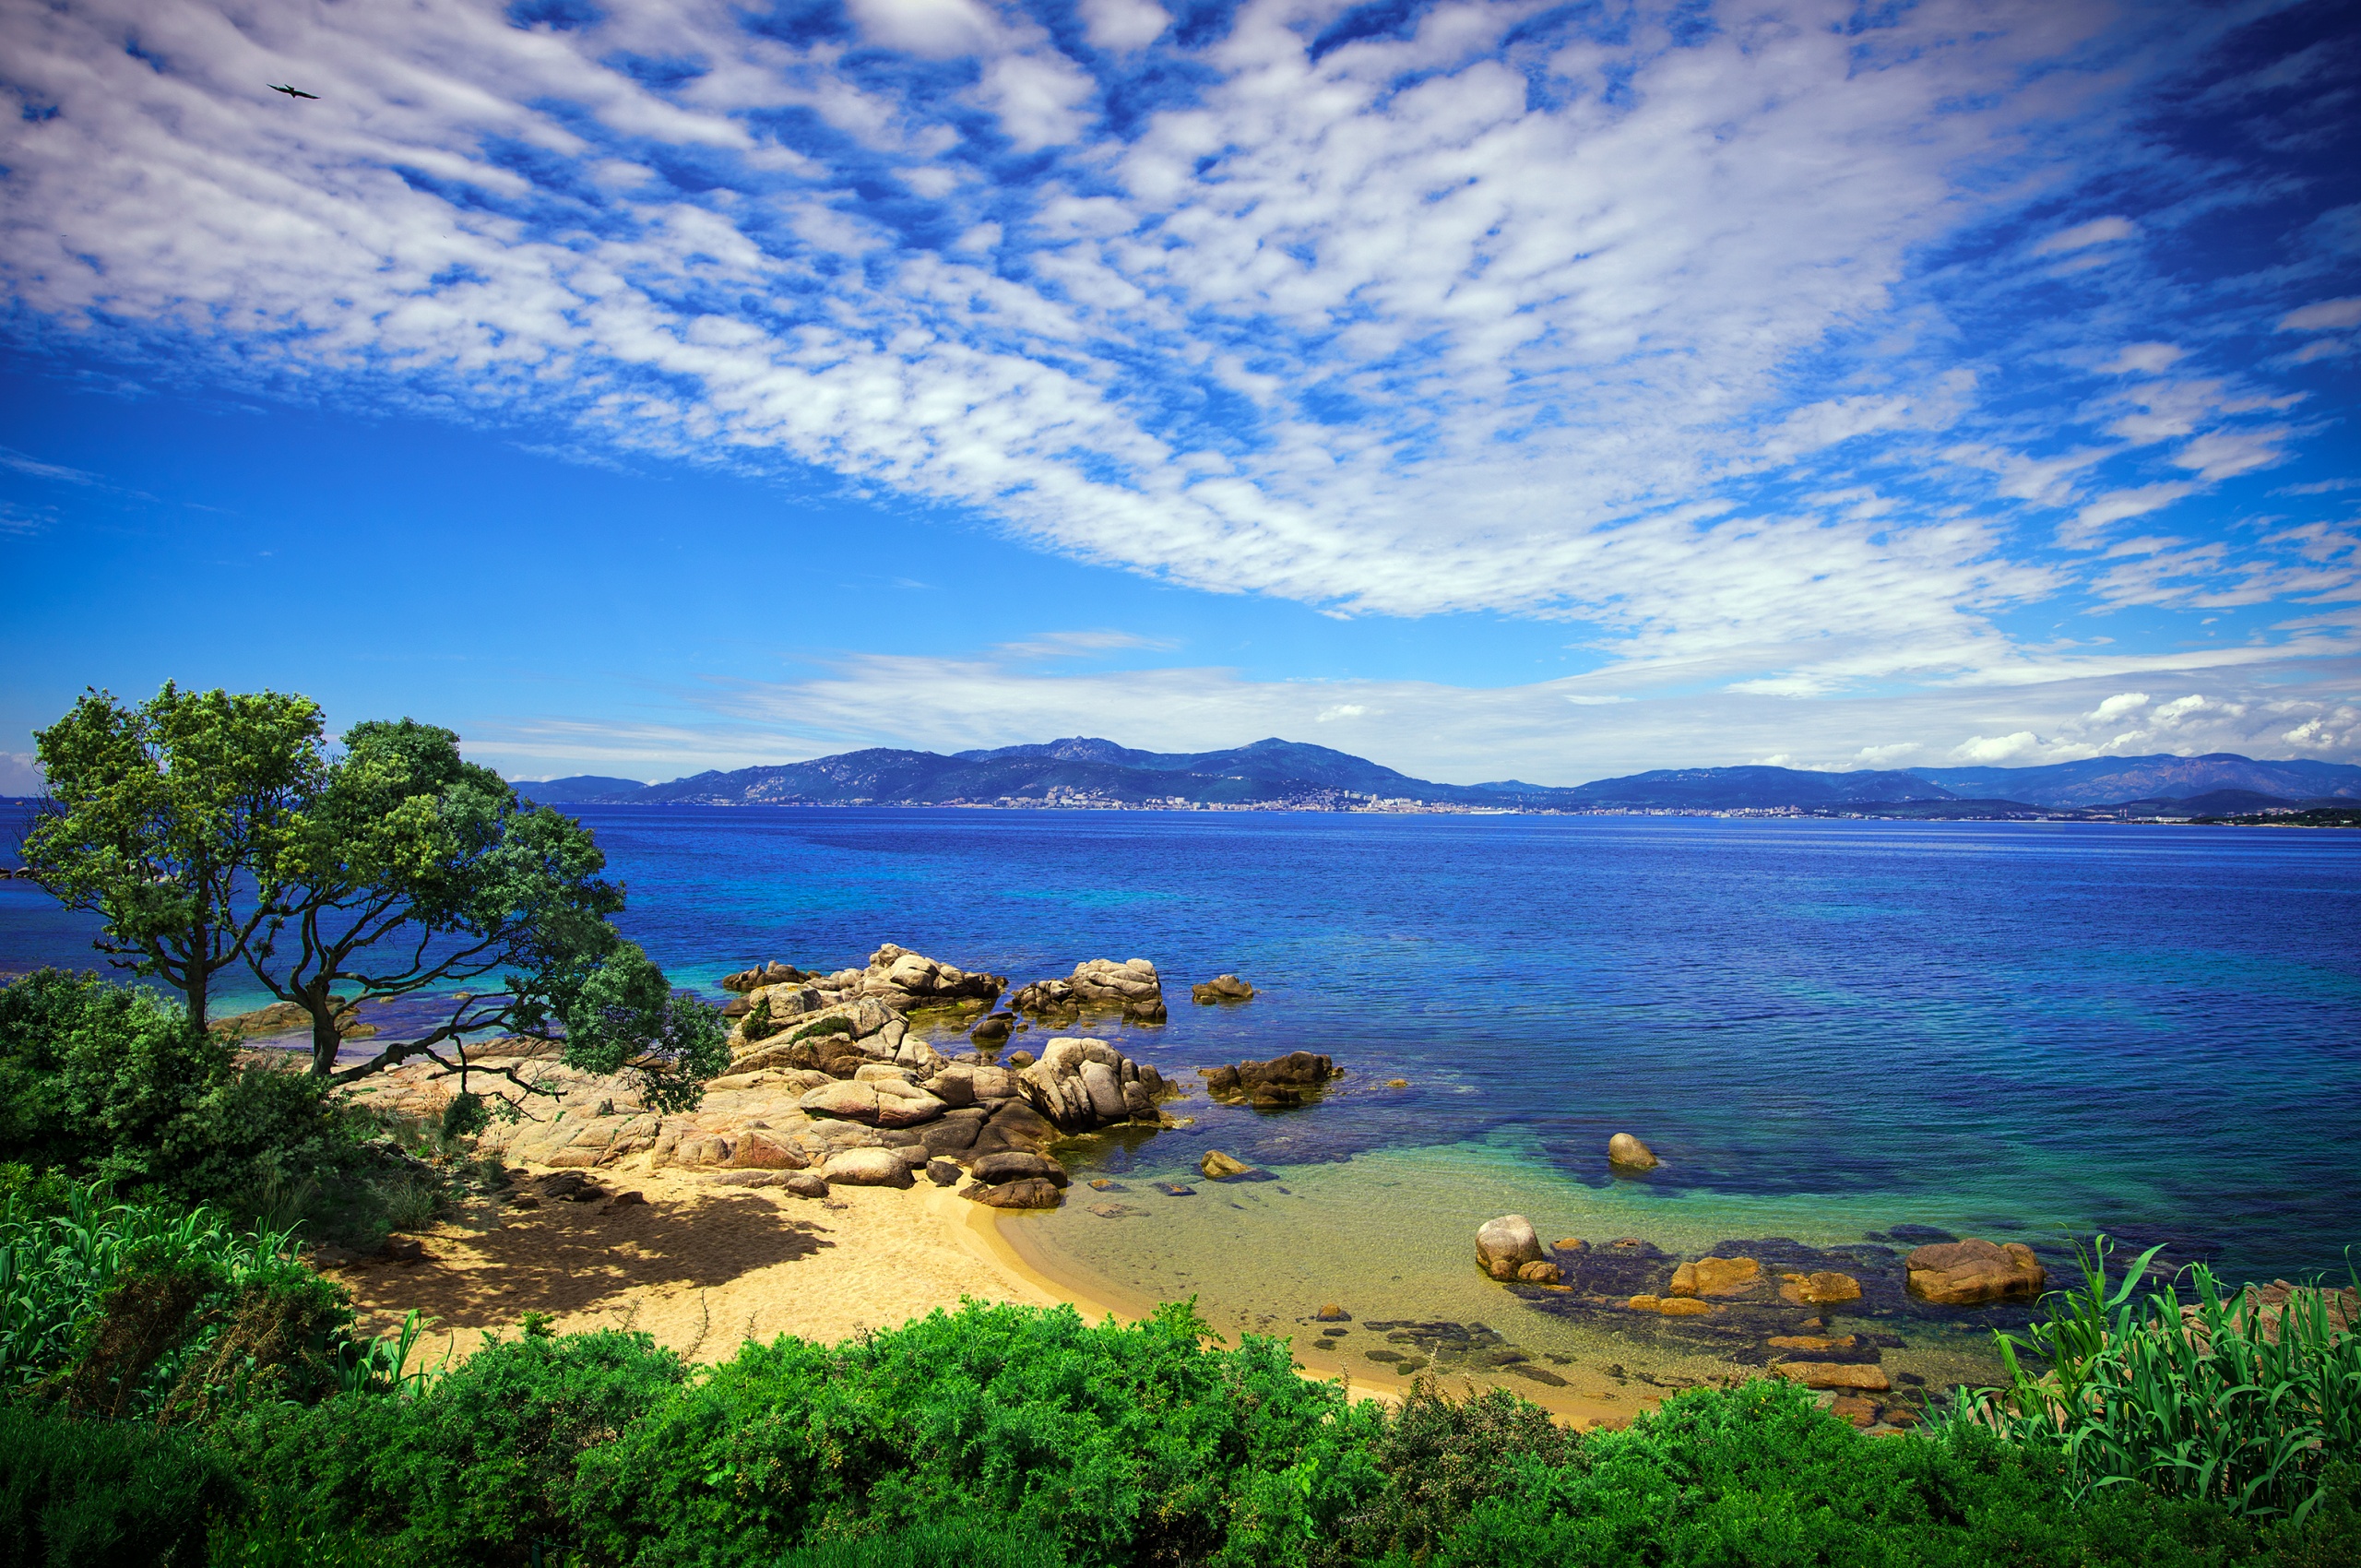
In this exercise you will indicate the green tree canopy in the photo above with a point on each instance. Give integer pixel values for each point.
(392, 870)
(165, 820)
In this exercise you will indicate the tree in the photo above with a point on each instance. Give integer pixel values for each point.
(413, 872)
(164, 820)
(211, 830)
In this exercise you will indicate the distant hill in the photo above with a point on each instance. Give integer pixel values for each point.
(1084, 771)
(2098, 781)
(580, 788)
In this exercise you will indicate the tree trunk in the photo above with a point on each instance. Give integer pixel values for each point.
(200, 979)
(324, 1038)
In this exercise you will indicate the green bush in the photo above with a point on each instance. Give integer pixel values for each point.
(135, 1309)
(474, 1468)
(1122, 1444)
(836, 1026)
(108, 1082)
(102, 1493)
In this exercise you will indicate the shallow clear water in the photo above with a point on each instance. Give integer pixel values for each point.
(1822, 1028)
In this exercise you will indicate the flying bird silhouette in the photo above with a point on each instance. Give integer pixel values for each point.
(292, 92)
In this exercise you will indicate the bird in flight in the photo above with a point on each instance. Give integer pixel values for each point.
(292, 92)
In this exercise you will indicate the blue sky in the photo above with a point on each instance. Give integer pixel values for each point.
(1515, 389)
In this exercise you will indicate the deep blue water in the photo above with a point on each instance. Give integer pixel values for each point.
(2153, 1030)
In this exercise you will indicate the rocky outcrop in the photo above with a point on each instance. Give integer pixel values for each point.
(761, 975)
(1625, 1152)
(1276, 1085)
(1671, 1306)
(1082, 1083)
(1132, 986)
(1031, 1193)
(896, 979)
(1221, 988)
(291, 1017)
(1715, 1276)
(1506, 1244)
(1974, 1272)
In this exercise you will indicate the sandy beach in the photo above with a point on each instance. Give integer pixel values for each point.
(703, 1267)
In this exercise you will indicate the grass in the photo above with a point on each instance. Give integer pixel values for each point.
(2197, 1399)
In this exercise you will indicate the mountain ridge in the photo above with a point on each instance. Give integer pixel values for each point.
(1085, 770)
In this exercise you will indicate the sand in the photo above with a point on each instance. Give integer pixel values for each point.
(702, 1268)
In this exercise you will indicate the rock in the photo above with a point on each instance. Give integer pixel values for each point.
(1014, 1165)
(524, 1200)
(1627, 1153)
(1116, 1211)
(1079, 1084)
(759, 1151)
(1218, 1165)
(1974, 1272)
(1506, 1244)
(571, 1185)
(752, 1178)
(1671, 1306)
(906, 980)
(627, 1200)
(1131, 985)
(1020, 1059)
(806, 1184)
(993, 1029)
(1541, 1273)
(327, 1254)
(1397, 1083)
(1031, 1192)
(1852, 1407)
(888, 1101)
(1331, 1313)
(1532, 1373)
(1175, 1190)
(942, 1173)
(1278, 1084)
(292, 1017)
(1810, 1342)
(1715, 1276)
(866, 1167)
(774, 973)
(403, 1250)
(1221, 988)
(1574, 1245)
(1827, 1290)
(1836, 1374)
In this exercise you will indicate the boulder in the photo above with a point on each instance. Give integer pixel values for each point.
(1131, 985)
(1627, 1153)
(1218, 1165)
(1825, 1290)
(991, 1031)
(773, 973)
(1974, 1272)
(806, 1184)
(1715, 1276)
(1671, 1306)
(1852, 1407)
(1221, 988)
(942, 1173)
(1506, 1244)
(1080, 1083)
(1810, 1342)
(1017, 1166)
(1540, 1273)
(867, 1168)
(907, 980)
(1837, 1374)
(761, 1151)
(881, 1102)
(1031, 1192)
(1331, 1312)
(1281, 1082)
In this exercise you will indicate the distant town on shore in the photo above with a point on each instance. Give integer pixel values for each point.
(1085, 773)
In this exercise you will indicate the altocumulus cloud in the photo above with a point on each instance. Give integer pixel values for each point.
(1796, 345)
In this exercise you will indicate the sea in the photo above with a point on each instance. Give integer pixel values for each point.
(1840, 1038)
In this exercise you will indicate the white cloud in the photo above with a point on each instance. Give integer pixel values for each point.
(1123, 24)
(2324, 316)
(930, 28)
(2097, 231)
(2115, 706)
(2013, 750)
(1342, 710)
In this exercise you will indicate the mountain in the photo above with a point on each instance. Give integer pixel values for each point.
(573, 792)
(1084, 771)
(1722, 788)
(2099, 781)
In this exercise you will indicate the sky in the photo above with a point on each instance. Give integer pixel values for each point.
(1517, 389)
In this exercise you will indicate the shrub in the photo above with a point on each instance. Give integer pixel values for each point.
(1120, 1444)
(836, 1026)
(477, 1466)
(140, 1309)
(75, 1493)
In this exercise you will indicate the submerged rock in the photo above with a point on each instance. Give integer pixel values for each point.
(1221, 988)
(1826, 1288)
(1970, 1273)
(1836, 1374)
(1671, 1306)
(1715, 1276)
(1218, 1165)
(1029, 1193)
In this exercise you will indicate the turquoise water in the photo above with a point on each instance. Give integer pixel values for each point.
(1824, 1028)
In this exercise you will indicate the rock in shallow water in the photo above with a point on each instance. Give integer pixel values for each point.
(1836, 1374)
(1715, 1276)
(1627, 1153)
(1970, 1273)
(1506, 1244)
